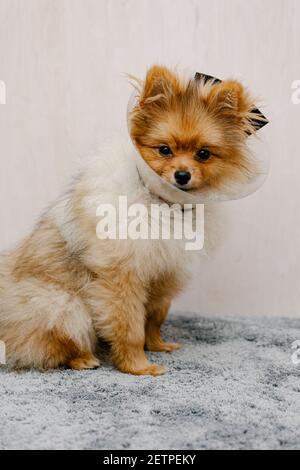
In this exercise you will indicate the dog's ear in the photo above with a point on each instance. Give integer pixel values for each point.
(159, 84)
(232, 101)
(229, 97)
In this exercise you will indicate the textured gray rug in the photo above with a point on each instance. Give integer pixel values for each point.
(232, 386)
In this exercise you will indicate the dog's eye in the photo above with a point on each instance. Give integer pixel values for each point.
(203, 155)
(165, 150)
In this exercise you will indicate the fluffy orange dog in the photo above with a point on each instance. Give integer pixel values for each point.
(63, 288)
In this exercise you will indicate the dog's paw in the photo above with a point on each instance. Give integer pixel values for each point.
(163, 347)
(151, 369)
(84, 362)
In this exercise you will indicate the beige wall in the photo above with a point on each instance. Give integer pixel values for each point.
(62, 62)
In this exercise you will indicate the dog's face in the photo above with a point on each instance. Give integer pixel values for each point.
(193, 134)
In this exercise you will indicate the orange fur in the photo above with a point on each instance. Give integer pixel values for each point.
(188, 116)
(161, 293)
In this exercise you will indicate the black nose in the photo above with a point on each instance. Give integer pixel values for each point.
(182, 177)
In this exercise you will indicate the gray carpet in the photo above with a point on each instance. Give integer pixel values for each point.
(232, 386)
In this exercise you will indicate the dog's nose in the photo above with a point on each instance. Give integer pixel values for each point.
(182, 177)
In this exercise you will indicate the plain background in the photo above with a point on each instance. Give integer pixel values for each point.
(63, 60)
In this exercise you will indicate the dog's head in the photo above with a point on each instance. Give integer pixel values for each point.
(193, 132)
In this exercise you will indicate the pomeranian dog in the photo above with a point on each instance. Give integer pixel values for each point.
(63, 288)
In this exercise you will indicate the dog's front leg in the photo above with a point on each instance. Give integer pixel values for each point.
(122, 323)
(156, 315)
(161, 292)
